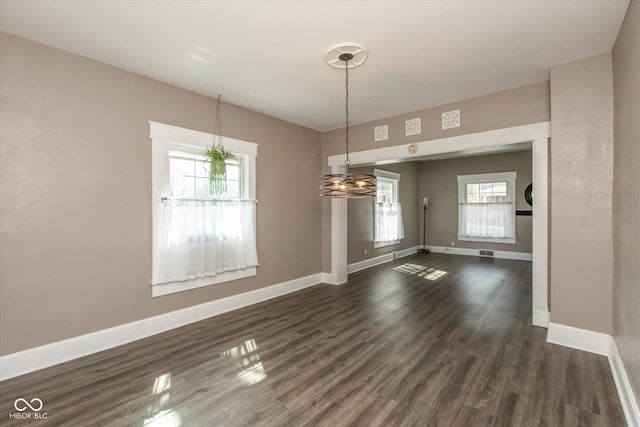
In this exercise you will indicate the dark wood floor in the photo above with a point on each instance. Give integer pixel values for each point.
(424, 340)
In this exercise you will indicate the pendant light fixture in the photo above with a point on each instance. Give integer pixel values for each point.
(346, 185)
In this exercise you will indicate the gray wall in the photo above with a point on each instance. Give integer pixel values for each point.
(75, 186)
(360, 215)
(513, 107)
(626, 195)
(581, 170)
(438, 181)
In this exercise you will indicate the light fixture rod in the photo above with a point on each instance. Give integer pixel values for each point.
(345, 185)
(346, 57)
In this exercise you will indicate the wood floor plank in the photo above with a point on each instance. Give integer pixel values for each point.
(472, 417)
(451, 398)
(548, 395)
(606, 391)
(513, 410)
(423, 340)
(490, 383)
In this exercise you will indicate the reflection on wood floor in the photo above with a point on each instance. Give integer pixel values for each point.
(424, 340)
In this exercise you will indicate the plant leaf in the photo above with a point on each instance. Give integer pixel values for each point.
(217, 157)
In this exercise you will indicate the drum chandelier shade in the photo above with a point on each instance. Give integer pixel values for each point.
(347, 185)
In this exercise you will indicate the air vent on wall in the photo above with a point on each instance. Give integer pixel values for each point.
(486, 253)
(412, 127)
(451, 119)
(381, 133)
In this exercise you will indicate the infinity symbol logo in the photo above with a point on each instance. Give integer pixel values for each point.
(22, 404)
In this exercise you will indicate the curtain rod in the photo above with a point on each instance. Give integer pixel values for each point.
(164, 199)
(487, 203)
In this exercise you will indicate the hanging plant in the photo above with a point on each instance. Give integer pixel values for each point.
(217, 157)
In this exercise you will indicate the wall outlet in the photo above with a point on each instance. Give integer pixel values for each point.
(453, 244)
(364, 252)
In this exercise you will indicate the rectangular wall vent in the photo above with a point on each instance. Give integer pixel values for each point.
(381, 133)
(486, 253)
(412, 127)
(451, 119)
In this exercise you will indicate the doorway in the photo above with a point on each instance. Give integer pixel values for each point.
(537, 134)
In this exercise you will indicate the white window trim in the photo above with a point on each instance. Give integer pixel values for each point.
(386, 174)
(165, 137)
(379, 173)
(479, 178)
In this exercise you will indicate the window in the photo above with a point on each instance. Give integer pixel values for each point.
(199, 239)
(189, 175)
(486, 210)
(389, 229)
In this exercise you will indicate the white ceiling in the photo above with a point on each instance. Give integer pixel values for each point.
(268, 56)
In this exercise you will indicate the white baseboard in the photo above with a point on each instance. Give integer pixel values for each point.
(522, 256)
(327, 278)
(581, 339)
(372, 262)
(627, 397)
(13, 365)
(409, 251)
(540, 317)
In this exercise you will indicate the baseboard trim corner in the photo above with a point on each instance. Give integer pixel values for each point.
(33, 359)
(409, 251)
(580, 339)
(625, 392)
(540, 317)
(327, 278)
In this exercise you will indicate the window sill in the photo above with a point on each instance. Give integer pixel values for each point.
(173, 287)
(511, 241)
(385, 244)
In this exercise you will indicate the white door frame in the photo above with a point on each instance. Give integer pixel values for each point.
(538, 134)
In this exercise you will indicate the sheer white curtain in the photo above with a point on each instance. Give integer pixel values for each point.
(205, 238)
(493, 220)
(389, 226)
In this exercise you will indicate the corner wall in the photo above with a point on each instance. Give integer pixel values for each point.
(75, 187)
(626, 196)
(360, 215)
(581, 169)
(438, 181)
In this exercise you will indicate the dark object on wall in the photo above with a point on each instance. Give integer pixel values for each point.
(528, 194)
(524, 213)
